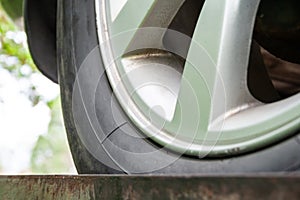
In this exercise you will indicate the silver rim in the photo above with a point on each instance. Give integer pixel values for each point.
(204, 107)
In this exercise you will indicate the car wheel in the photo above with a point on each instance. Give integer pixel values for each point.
(170, 87)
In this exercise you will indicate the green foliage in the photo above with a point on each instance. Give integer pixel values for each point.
(14, 8)
(50, 154)
(11, 47)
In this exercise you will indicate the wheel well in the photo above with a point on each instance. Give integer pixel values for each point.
(40, 26)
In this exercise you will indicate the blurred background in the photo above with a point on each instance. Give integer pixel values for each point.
(32, 135)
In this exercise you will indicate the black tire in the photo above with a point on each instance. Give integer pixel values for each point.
(77, 38)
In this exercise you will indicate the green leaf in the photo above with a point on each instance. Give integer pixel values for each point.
(51, 153)
(14, 8)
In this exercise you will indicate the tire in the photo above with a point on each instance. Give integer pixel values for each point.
(77, 38)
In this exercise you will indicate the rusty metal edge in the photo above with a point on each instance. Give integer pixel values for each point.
(250, 186)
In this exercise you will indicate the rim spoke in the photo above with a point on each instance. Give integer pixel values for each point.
(128, 19)
(216, 67)
(131, 15)
(139, 18)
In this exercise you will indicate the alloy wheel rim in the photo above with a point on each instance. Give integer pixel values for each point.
(204, 108)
